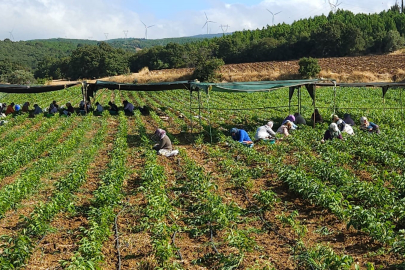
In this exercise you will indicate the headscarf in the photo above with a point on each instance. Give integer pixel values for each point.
(364, 121)
(17, 107)
(334, 130)
(346, 115)
(289, 118)
(160, 132)
(335, 117)
(234, 130)
(270, 124)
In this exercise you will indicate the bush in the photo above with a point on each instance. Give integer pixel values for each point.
(206, 70)
(21, 77)
(309, 67)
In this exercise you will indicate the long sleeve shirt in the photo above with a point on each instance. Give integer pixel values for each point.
(164, 143)
(242, 136)
(264, 132)
(129, 107)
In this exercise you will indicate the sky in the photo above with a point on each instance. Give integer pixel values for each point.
(111, 19)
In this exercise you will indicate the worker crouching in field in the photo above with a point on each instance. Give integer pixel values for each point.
(10, 109)
(265, 132)
(290, 118)
(99, 109)
(285, 128)
(348, 119)
(317, 117)
(113, 108)
(37, 109)
(369, 126)
(343, 127)
(332, 133)
(26, 107)
(164, 147)
(299, 119)
(241, 136)
(128, 108)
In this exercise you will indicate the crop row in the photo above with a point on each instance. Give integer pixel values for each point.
(36, 226)
(101, 214)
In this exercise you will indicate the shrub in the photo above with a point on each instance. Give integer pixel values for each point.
(309, 67)
(21, 77)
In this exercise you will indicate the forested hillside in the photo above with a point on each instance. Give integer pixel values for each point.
(337, 34)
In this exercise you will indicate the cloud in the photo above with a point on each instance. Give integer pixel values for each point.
(85, 19)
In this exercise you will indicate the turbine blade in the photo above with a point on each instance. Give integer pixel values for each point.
(143, 23)
(150, 26)
(205, 24)
(277, 13)
(206, 16)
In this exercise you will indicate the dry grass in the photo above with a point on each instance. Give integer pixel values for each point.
(373, 68)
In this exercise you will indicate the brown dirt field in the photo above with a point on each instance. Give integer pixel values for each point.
(370, 68)
(61, 244)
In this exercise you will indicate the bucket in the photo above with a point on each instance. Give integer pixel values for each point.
(272, 141)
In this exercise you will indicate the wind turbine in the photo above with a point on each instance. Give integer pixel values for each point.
(146, 29)
(125, 33)
(274, 14)
(11, 34)
(106, 35)
(207, 22)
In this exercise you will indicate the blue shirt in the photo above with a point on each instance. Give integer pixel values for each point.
(241, 136)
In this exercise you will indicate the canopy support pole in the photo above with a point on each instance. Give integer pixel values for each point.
(314, 102)
(400, 98)
(299, 100)
(199, 107)
(334, 98)
(191, 115)
(209, 114)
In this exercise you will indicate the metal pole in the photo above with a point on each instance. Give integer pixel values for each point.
(334, 99)
(191, 115)
(402, 109)
(300, 100)
(199, 107)
(314, 105)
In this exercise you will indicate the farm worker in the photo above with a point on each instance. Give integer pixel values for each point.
(331, 133)
(17, 108)
(128, 108)
(3, 107)
(81, 105)
(241, 136)
(348, 120)
(25, 107)
(343, 127)
(299, 119)
(10, 109)
(3, 122)
(369, 126)
(113, 108)
(52, 109)
(290, 118)
(164, 147)
(265, 132)
(69, 109)
(285, 129)
(99, 109)
(316, 116)
(37, 109)
(55, 104)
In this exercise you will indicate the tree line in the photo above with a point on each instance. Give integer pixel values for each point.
(338, 34)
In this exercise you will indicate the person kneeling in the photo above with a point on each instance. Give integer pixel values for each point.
(164, 147)
(241, 136)
(331, 133)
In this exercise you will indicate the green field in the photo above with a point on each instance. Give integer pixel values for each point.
(87, 192)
